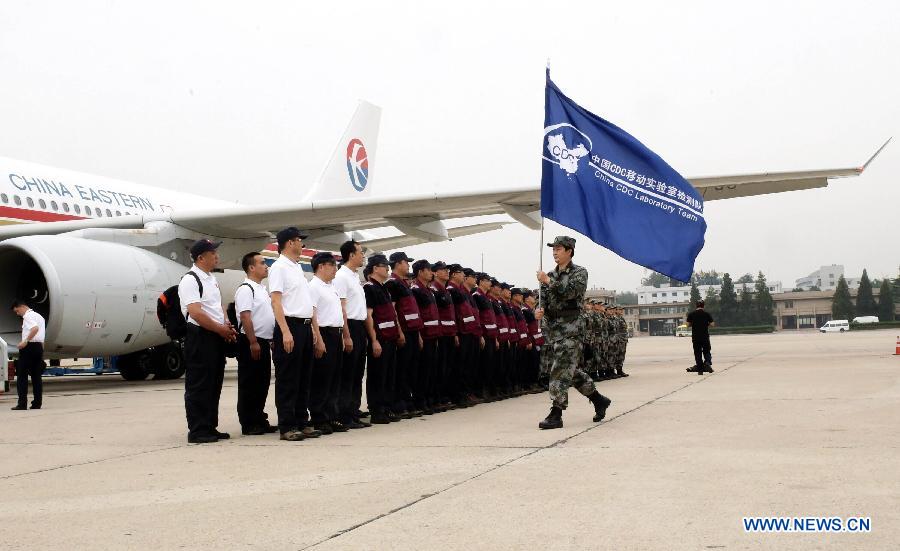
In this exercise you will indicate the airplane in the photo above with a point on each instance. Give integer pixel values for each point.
(92, 254)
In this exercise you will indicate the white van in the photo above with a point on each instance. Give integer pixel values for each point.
(865, 319)
(835, 326)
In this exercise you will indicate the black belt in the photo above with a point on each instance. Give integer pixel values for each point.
(304, 321)
(331, 330)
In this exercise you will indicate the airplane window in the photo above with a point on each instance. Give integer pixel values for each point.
(17, 200)
(87, 210)
(118, 213)
(42, 203)
(30, 201)
(108, 213)
(65, 207)
(77, 209)
(4, 197)
(53, 205)
(99, 212)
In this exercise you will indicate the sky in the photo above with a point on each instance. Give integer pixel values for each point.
(245, 101)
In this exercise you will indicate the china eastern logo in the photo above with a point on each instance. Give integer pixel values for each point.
(565, 145)
(357, 164)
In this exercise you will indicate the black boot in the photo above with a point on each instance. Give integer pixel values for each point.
(600, 402)
(553, 420)
(695, 369)
(707, 367)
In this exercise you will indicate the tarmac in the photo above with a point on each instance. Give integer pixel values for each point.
(793, 424)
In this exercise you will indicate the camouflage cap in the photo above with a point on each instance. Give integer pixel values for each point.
(563, 241)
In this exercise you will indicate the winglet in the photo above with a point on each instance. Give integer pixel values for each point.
(872, 158)
(348, 173)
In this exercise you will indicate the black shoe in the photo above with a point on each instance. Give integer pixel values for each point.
(337, 426)
(600, 402)
(553, 419)
(356, 425)
(622, 374)
(428, 411)
(324, 428)
(39, 405)
(18, 408)
(364, 424)
(292, 436)
(253, 431)
(393, 417)
(405, 415)
(595, 376)
(269, 429)
(203, 439)
(707, 367)
(310, 432)
(416, 413)
(362, 413)
(694, 369)
(222, 435)
(380, 419)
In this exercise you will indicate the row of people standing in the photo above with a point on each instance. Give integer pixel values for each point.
(606, 339)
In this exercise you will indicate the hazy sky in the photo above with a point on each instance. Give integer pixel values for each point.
(246, 101)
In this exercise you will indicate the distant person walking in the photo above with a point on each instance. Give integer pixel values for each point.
(31, 355)
(700, 321)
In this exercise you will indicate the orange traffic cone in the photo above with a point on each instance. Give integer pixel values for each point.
(897, 352)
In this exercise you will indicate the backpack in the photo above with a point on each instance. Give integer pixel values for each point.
(168, 310)
(231, 311)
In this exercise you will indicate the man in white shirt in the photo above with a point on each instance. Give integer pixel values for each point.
(326, 376)
(256, 323)
(204, 344)
(353, 364)
(296, 335)
(31, 356)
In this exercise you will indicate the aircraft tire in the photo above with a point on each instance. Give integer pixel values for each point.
(168, 361)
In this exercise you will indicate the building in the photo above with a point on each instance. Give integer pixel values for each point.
(606, 295)
(665, 294)
(826, 278)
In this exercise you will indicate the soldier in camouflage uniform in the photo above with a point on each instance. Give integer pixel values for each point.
(590, 340)
(622, 335)
(562, 295)
(601, 335)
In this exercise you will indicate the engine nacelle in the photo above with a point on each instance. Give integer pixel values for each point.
(99, 298)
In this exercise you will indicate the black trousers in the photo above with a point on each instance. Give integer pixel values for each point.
(423, 393)
(407, 367)
(204, 355)
(487, 365)
(326, 378)
(446, 353)
(466, 360)
(500, 359)
(30, 364)
(702, 350)
(353, 368)
(254, 378)
(380, 379)
(292, 374)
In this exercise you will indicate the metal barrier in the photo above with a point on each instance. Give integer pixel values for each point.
(5, 352)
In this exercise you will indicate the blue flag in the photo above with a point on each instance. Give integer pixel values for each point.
(603, 183)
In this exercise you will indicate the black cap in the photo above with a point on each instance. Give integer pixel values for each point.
(469, 272)
(453, 268)
(439, 265)
(203, 245)
(505, 285)
(398, 256)
(481, 275)
(517, 291)
(322, 257)
(287, 234)
(494, 282)
(377, 260)
(420, 265)
(527, 293)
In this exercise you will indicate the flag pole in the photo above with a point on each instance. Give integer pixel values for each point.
(541, 243)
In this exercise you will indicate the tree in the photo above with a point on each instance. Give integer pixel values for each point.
(712, 302)
(711, 277)
(763, 305)
(655, 279)
(745, 308)
(865, 302)
(746, 278)
(728, 305)
(886, 301)
(841, 304)
(695, 294)
(627, 298)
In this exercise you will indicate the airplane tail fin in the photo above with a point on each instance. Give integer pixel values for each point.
(349, 170)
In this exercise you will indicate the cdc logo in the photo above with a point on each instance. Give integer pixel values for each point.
(357, 164)
(565, 145)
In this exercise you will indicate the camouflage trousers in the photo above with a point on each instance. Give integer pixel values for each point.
(600, 360)
(564, 361)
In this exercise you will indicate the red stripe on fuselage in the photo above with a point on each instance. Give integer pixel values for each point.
(36, 215)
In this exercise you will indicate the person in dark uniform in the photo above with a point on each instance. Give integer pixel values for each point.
(256, 323)
(488, 321)
(31, 356)
(425, 395)
(383, 330)
(500, 358)
(700, 321)
(537, 340)
(204, 344)
(464, 359)
(448, 343)
(410, 342)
